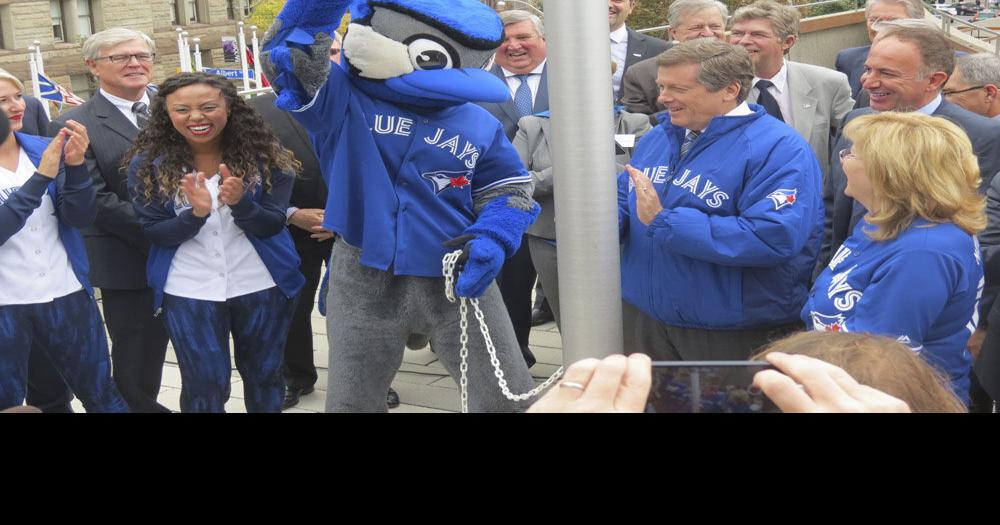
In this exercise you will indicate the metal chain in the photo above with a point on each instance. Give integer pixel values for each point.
(448, 270)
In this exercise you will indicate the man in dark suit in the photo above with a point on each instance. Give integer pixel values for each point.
(688, 19)
(851, 61)
(520, 62)
(627, 45)
(908, 68)
(122, 60)
(312, 242)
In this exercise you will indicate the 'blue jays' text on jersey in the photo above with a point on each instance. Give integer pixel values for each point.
(921, 288)
(402, 180)
(740, 230)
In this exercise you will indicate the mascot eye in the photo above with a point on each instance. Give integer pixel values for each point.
(430, 54)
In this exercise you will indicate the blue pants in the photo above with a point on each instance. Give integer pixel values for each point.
(199, 331)
(70, 331)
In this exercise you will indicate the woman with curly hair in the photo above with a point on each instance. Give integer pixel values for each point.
(210, 184)
(912, 269)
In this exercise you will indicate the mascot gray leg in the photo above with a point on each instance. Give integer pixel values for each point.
(366, 330)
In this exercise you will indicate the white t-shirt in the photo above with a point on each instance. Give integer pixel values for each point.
(34, 266)
(219, 263)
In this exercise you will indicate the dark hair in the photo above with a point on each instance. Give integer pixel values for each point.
(248, 145)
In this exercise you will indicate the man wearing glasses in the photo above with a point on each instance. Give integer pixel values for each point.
(122, 61)
(975, 84)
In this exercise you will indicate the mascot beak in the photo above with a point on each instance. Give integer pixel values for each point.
(455, 85)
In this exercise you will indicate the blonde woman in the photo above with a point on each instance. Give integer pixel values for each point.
(912, 268)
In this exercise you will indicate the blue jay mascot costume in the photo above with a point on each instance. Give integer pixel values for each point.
(415, 170)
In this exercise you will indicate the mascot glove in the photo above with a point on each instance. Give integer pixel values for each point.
(311, 16)
(497, 234)
(296, 70)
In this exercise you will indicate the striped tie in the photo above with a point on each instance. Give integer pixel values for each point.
(141, 111)
(689, 141)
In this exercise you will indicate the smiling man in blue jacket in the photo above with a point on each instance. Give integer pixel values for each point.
(721, 214)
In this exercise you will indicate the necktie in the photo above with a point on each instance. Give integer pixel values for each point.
(688, 142)
(766, 99)
(141, 111)
(522, 97)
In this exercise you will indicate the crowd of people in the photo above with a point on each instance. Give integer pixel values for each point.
(758, 198)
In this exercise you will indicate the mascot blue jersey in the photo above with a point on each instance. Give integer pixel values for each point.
(921, 288)
(404, 177)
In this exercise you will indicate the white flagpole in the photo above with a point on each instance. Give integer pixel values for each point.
(33, 67)
(180, 47)
(258, 81)
(197, 54)
(242, 42)
(38, 56)
(187, 52)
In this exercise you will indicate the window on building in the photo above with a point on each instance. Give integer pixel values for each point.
(5, 33)
(85, 18)
(58, 27)
(192, 10)
(175, 14)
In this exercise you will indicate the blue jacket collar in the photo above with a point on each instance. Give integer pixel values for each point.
(720, 125)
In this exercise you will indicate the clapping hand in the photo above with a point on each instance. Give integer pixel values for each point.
(77, 144)
(49, 165)
(231, 189)
(197, 194)
(647, 200)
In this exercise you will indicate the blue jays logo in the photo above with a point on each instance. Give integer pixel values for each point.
(828, 323)
(782, 198)
(905, 339)
(442, 180)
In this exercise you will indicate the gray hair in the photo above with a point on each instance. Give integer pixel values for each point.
(112, 37)
(914, 8)
(722, 64)
(784, 19)
(514, 16)
(680, 9)
(979, 69)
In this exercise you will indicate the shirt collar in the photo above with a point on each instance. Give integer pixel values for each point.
(537, 71)
(741, 110)
(780, 79)
(931, 106)
(620, 35)
(123, 103)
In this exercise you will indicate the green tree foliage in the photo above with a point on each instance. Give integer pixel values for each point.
(263, 12)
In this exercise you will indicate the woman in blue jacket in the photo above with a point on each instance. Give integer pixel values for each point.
(912, 269)
(46, 300)
(210, 184)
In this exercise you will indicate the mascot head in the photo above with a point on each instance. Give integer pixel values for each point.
(425, 52)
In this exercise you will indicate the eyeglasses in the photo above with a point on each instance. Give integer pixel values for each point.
(947, 92)
(846, 154)
(125, 59)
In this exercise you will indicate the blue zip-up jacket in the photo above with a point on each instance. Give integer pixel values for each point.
(921, 288)
(740, 229)
(73, 195)
(260, 215)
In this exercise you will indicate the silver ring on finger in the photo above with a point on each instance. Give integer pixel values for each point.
(572, 384)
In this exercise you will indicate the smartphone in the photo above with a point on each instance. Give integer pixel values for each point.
(720, 387)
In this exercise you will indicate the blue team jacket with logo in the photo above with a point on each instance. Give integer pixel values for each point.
(73, 194)
(921, 288)
(740, 230)
(403, 180)
(261, 215)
